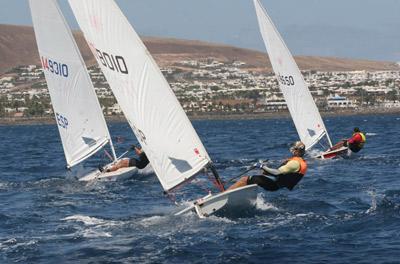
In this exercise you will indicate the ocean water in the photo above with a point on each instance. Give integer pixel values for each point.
(343, 211)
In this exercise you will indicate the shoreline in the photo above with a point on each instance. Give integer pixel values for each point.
(49, 120)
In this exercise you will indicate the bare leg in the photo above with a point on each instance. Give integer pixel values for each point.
(124, 163)
(240, 183)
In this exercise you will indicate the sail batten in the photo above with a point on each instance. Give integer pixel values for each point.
(145, 97)
(77, 111)
(302, 108)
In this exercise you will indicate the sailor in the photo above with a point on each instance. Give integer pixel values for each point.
(357, 141)
(286, 176)
(140, 162)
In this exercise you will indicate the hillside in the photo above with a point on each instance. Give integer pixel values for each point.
(18, 47)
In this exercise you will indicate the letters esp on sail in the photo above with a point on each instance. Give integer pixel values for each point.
(79, 117)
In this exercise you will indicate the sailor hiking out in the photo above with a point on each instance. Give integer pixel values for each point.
(355, 143)
(141, 162)
(287, 175)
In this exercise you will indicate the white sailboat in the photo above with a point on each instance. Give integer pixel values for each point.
(81, 124)
(157, 119)
(301, 105)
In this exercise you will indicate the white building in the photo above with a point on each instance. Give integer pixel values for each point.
(339, 102)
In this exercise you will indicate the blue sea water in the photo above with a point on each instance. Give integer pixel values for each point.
(343, 211)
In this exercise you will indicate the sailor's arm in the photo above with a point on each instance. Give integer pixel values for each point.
(354, 139)
(290, 167)
(270, 171)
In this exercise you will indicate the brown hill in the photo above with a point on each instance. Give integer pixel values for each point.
(18, 47)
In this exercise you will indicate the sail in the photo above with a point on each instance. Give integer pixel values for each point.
(302, 108)
(149, 104)
(79, 117)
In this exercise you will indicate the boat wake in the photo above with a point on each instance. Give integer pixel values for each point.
(93, 227)
(93, 221)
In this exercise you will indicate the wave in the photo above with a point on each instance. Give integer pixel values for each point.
(284, 219)
(91, 221)
(14, 243)
(263, 205)
(93, 227)
(152, 220)
(374, 203)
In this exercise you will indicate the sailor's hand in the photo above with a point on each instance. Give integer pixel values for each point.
(345, 143)
(258, 165)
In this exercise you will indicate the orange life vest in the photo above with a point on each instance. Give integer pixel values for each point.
(290, 180)
(303, 164)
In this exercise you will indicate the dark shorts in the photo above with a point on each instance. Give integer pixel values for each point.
(354, 148)
(140, 163)
(264, 182)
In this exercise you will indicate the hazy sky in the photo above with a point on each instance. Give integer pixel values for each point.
(367, 29)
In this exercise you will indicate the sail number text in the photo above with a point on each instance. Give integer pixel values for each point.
(286, 80)
(55, 67)
(62, 121)
(114, 63)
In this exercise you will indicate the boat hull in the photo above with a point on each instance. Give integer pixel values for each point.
(342, 152)
(227, 203)
(121, 174)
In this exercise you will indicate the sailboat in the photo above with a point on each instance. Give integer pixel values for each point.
(165, 133)
(301, 105)
(80, 120)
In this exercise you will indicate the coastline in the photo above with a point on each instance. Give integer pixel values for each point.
(49, 120)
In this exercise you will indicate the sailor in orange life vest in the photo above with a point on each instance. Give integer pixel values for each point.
(286, 176)
(355, 143)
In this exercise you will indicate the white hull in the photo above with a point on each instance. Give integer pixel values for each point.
(237, 200)
(121, 174)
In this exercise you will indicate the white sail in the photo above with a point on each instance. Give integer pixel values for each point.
(149, 104)
(79, 117)
(302, 108)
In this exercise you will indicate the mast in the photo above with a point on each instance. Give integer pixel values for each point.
(113, 150)
(218, 181)
(329, 139)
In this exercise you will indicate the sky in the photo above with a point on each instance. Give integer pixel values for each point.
(365, 29)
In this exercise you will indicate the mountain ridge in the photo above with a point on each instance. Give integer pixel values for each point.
(18, 47)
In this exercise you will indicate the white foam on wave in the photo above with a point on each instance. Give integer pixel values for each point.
(371, 134)
(92, 233)
(263, 205)
(13, 243)
(152, 220)
(313, 152)
(374, 203)
(92, 221)
(287, 218)
(93, 227)
(219, 219)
